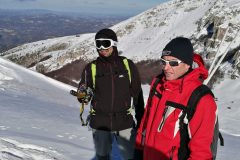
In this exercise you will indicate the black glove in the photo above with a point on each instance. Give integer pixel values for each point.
(138, 154)
(84, 94)
(84, 99)
(81, 100)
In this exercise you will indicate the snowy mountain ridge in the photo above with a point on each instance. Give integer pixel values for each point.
(143, 37)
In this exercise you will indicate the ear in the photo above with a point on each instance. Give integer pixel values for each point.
(186, 66)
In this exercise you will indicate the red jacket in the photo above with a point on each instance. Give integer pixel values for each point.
(158, 134)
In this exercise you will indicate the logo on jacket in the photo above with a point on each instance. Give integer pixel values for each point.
(166, 53)
(121, 76)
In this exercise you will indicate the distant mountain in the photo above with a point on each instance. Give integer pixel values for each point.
(212, 25)
(23, 26)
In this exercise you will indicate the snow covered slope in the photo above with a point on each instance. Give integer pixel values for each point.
(39, 119)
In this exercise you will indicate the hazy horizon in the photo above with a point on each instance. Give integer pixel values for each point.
(114, 7)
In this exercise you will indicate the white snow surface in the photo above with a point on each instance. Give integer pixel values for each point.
(39, 119)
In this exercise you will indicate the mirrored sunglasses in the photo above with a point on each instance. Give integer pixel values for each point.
(103, 43)
(172, 63)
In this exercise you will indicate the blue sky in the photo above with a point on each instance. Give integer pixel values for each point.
(118, 7)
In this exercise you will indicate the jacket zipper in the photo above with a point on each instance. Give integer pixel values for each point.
(163, 119)
(112, 98)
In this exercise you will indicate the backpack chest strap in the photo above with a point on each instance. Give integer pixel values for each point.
(94, 71)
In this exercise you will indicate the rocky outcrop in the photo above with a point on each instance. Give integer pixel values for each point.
(222, 40)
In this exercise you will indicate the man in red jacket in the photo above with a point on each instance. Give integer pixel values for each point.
(158, 137)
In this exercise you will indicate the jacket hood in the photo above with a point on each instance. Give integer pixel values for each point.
(201, 70)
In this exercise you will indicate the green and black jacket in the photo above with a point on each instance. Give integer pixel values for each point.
(112, 92)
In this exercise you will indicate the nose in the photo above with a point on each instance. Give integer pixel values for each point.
(166, 66)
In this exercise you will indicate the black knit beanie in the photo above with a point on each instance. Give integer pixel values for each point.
(106, 33)
(181, 48)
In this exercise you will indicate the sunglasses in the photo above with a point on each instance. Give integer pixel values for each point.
(172, 63)
(103, 43)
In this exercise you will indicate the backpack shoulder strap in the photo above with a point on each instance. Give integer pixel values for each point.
(94, 71)
(153, 90)
(189, 111)
(125, 62)
(197, 94)
(195, 97)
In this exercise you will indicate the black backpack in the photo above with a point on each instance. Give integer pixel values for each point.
(196, 95)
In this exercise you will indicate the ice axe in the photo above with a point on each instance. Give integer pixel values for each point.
(84, 97)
